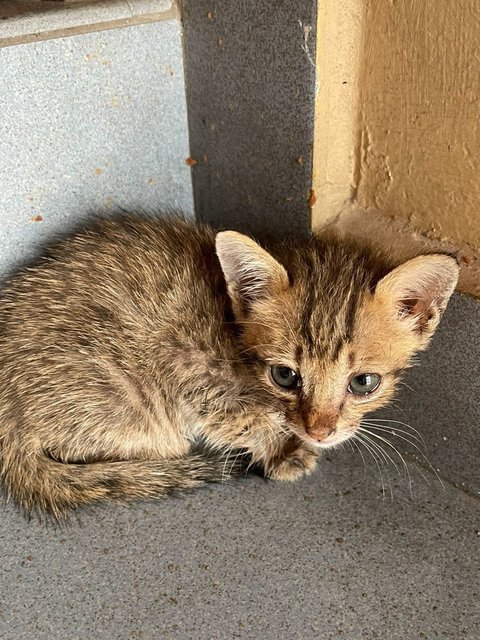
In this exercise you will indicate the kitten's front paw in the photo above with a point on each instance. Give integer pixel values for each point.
(294, 465)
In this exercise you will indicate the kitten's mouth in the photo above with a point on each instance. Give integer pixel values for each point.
(335, 439)
(328, 442)
(302, 434)
(298, 426)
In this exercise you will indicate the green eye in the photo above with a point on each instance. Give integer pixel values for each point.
(285, 377)
(364, 383)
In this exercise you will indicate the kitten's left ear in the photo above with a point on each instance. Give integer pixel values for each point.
(418, 291)
(251, 273)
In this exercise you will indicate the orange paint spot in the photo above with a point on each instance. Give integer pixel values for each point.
(37, 218)
(191, 162)
(312, 198)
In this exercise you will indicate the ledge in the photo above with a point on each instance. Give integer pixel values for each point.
(397, 238)
(22, 22)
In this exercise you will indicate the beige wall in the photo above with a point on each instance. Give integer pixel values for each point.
(397, 153)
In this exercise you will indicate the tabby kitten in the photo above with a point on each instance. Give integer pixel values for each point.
(134, 338)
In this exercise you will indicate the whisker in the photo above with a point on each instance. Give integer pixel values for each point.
(240, 453)
(398, 407)
(404, 424)
(352, 442)
(422, 455)
(374, 456)
(385, 457)
(407, 470)
(385, 453)
(404, 384)
(229, 452)
(394, 431)
(224, 469)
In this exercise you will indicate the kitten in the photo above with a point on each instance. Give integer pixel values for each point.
(136, 337)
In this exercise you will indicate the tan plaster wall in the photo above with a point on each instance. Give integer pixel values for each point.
(414, 107)
(339, 31)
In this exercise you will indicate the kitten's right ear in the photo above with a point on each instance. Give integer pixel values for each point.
(251, 273)
(418, 292)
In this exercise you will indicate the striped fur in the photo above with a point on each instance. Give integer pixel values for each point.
(128, 342)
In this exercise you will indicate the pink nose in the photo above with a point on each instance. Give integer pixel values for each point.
(321, 426)
(320, 433)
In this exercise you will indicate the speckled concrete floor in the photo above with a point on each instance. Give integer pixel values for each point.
(328, 557)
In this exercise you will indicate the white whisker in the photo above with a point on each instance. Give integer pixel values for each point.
(394, 431)
(374, 456)
(422, 454)
(404, 424)
(407, 470)
(352, 442)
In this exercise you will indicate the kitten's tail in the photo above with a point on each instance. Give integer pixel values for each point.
(43, 485)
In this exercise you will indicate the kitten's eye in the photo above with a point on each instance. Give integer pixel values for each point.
(364, 383)
(285, 377)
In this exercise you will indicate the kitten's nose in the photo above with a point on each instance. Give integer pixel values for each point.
(322, 426)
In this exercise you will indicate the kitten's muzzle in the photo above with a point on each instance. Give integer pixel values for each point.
(321, 426)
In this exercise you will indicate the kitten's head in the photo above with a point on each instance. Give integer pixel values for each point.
(331, 328)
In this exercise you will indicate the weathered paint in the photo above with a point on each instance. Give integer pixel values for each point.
(414, 116)
(420, 115)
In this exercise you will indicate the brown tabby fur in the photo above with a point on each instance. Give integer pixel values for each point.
(123, 346)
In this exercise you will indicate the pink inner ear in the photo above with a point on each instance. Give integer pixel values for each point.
(420, 289)
(412, 306)
(421, 308)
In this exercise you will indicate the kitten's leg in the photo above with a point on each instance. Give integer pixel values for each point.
(292, 461)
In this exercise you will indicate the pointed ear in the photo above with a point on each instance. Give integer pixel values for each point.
(251, 272)
(418, 291)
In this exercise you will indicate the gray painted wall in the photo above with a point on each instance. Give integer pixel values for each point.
(89, 123)
(250, 92)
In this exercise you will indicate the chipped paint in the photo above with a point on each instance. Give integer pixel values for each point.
(419, 104)
(307, 29)
(398, 126)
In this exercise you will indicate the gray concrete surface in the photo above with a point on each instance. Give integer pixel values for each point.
(90, 123)
(326, 558)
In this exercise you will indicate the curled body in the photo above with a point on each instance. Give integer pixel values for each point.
(134, 338)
